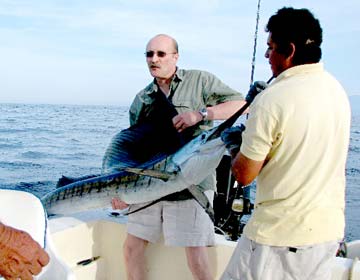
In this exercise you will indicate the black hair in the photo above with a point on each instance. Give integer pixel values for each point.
(300, 27)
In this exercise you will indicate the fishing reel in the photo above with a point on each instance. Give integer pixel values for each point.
(241, 204)
(231, 203)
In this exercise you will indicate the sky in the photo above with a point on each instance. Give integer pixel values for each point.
(92, 51)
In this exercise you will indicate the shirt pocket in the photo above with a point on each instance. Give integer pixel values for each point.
(187, 105)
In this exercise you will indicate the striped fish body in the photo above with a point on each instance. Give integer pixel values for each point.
(190, 165)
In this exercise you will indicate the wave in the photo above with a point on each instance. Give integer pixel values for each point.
(352, 171)
(79, 155)
(354, 149)
(10, 145)
(30, 131)
(12, 130)
(38, 188)
(19, 164)
(34, 155)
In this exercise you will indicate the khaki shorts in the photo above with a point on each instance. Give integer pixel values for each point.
(181, 223)
(254, 261)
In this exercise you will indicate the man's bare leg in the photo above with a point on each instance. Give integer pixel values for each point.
(134, 254)
(198, 262)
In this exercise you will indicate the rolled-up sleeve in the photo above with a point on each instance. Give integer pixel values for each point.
(217, 92)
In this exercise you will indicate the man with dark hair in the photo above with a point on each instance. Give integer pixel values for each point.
(304, 31)
(295, 143)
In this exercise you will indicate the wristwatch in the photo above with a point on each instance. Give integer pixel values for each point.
(204, 113)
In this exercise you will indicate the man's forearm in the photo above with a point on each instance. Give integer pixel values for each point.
(224, 110)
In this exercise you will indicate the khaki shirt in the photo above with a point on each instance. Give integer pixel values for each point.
(190, 90)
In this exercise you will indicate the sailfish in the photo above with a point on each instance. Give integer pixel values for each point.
(138, 166)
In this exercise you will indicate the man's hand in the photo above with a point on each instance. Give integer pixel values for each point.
(232, 139)
(118, 204)
(21, 257)
(185, 120)
(255, 89)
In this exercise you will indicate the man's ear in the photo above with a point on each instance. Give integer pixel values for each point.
(290, 57)
(292, 50)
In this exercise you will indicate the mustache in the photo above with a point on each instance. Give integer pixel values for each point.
(151, 64)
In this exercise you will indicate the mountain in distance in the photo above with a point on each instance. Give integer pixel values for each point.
(355, 104)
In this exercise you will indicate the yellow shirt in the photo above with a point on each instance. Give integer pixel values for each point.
(300, 125)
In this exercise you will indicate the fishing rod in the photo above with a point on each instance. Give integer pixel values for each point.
(241, 201)
(230, 121)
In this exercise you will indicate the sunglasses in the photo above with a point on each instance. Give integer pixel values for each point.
(158, 53)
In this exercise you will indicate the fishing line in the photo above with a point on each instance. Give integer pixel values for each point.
(255, 43)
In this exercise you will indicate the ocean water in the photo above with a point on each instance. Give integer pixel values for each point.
(40, 143)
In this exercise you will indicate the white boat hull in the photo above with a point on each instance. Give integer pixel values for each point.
(76, 241)
(96, 234)
(96, 237)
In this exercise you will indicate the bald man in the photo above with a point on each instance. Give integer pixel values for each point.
(199, 97)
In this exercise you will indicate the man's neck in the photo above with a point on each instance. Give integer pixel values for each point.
(167, 80)
(164, 81)
(164, 84)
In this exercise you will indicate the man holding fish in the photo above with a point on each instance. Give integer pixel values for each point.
(199, 98)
